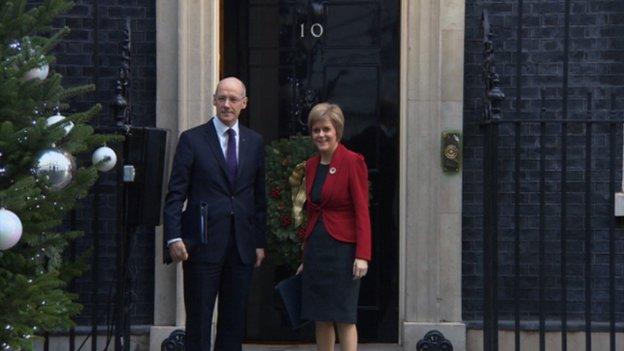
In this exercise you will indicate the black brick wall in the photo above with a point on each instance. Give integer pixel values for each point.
(597, 67)
(81, 61)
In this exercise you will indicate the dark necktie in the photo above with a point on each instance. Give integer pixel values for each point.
(230, 155)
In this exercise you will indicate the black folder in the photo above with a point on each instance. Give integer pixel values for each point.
(289, 291)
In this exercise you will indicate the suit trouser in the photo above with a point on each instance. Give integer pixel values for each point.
(230, 279)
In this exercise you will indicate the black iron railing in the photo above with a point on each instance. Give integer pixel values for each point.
(548, 197)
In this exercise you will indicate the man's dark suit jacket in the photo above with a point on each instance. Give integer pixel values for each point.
(199, 175)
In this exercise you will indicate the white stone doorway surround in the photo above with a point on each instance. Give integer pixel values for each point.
(432, 58)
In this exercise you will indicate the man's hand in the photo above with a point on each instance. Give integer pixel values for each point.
(177, 251)
(259, 257)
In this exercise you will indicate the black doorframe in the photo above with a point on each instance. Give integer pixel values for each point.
(234, 26)
(234, 42)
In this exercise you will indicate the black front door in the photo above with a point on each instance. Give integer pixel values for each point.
(293, 54)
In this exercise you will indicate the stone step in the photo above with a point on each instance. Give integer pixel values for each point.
(312, 347)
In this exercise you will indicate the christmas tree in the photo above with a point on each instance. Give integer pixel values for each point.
(39, 178)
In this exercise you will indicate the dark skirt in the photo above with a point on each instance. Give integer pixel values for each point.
(329, 292)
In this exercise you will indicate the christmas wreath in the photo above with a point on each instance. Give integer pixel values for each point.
(285, 170)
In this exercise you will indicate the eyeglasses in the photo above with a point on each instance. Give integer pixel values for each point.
(222, 99)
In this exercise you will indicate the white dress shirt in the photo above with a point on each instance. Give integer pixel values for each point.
(223, 137)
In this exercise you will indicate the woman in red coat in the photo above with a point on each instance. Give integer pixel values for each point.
(337, 239)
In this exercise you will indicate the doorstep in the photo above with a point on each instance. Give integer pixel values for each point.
(311, 347)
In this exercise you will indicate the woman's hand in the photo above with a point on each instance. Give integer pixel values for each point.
(299, 269)
(360, 267)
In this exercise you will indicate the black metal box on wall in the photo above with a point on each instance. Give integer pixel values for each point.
(145, 157)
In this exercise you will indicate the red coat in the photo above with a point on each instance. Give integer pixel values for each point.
(344, 200)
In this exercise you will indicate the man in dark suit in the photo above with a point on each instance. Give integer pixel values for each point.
(218, 169)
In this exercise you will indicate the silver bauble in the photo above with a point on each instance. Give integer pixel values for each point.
(56, 167)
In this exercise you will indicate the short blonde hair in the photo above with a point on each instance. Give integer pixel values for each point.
(331, 112)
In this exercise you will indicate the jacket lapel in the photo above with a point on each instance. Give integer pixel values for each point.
(244, 151)
(330, 181)
(336, 169)
(311, 167)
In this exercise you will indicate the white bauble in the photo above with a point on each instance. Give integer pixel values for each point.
(40, 73)
(10, 229)
(55, 166)
(100, 155)
(57, 118)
